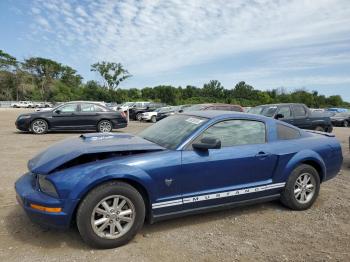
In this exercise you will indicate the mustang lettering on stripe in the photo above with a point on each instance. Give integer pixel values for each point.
(216, 195)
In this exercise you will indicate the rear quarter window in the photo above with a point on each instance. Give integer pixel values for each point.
(286, 132)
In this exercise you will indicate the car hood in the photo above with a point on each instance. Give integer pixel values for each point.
(72, 148)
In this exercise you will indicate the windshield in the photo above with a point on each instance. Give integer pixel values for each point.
(172, 131)
(263, 110)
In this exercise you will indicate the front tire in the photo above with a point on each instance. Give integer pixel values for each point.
(302, 188)
(111, 215)
(39, 126)
(153, 119)
(346, 123)
(104, 126)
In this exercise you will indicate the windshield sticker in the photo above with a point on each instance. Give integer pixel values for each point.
(193, 120)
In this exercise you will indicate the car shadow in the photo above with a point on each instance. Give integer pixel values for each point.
(226, 214)
(63, 132)
(22, 229)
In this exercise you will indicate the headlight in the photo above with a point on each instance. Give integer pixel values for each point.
(24, 117)
(46, 186)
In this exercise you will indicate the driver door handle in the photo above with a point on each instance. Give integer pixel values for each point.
(262, 155)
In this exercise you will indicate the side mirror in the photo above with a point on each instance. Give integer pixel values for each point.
(58, 111)
(278, 116)
(207, 143)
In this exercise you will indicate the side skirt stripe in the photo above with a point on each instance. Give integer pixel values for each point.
(217, 195)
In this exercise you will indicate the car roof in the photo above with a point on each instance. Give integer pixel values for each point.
(215, 104)
(282, 104)
(225, 114)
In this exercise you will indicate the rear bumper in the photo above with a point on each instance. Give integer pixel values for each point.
(28, 194)
(117, 124)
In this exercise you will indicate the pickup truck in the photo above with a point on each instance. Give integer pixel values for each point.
(296, 114)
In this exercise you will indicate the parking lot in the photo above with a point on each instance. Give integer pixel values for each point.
(263, 232)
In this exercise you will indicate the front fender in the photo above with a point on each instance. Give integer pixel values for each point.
(76, 182)
(303, 156)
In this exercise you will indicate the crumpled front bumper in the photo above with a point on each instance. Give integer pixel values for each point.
(28, 193)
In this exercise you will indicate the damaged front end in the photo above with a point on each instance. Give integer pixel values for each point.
(89, 148)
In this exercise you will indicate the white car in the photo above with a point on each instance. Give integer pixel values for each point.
(149, 116)
(152, 116)
(23, 104)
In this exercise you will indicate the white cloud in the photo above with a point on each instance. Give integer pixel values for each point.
(43, 23)
(153, 36)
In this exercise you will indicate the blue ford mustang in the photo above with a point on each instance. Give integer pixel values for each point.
(108, 184)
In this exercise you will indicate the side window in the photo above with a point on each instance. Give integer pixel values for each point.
(286, 132)
(70, 108)
(285, 111)
(91, 108)
(236, 132)
(299, 111)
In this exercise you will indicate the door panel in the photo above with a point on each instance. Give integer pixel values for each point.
(89, 115)
(65, 117)
(287, 113)
(301, 118)
(225, 169)
(244, 160)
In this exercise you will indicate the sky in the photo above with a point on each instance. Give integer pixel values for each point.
(266, 43)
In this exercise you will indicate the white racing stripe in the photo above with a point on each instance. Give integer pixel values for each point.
(216, 195)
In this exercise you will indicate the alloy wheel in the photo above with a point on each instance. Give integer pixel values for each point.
(113, 217)
(105, 126)
(304, 188)
(39, 126)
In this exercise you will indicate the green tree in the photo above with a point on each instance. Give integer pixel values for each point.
(112, 73)
(45, 71)
(213, 89)
(7, 61)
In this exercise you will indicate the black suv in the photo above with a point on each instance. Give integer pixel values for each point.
(296, 114)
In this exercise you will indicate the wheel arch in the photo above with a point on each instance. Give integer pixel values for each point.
(307, 157)
(42, 118)
(137, 185)
(317, 166)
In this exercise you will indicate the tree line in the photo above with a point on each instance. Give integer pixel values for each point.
(42, 79)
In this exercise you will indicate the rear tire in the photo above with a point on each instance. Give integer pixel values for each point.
(104, 126)
(320, 128)
(302, 188)
(39, 126)
(153, 119)
(99, 218)
(346, 124)
(138, 116)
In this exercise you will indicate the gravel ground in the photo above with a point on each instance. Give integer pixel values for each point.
(264, 232)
